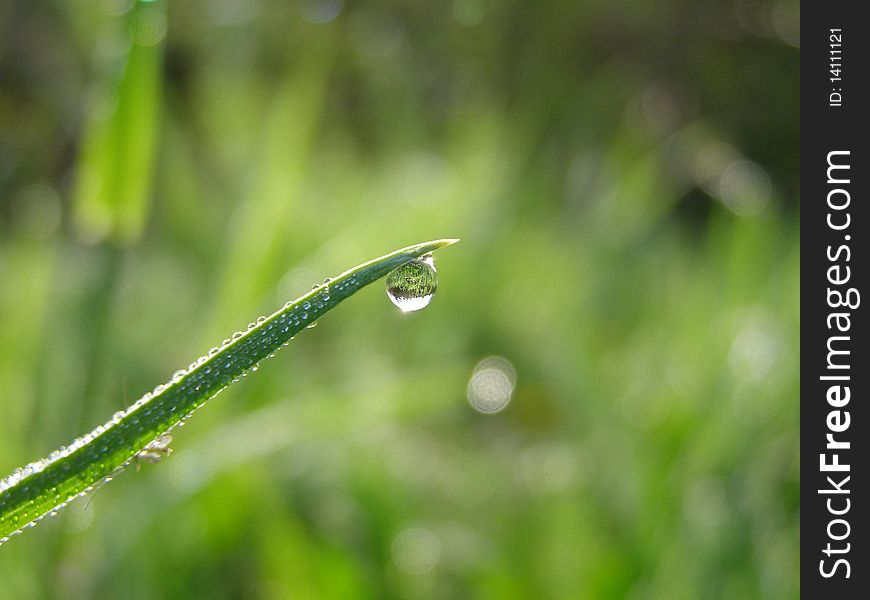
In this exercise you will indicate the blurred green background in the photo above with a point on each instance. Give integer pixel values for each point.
(624, 178)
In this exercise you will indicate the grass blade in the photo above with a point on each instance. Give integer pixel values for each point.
(48, 484)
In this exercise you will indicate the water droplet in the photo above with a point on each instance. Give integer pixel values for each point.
(311, 325)
(412, 286)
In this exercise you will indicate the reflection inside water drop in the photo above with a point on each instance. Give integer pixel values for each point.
(412, 286)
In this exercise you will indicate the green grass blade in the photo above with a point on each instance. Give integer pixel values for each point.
(48, 484)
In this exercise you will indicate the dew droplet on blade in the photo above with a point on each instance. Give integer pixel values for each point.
(412, 286)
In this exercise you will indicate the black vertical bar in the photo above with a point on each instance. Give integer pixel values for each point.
(834, 264)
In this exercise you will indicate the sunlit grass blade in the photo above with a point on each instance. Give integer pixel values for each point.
(46, 485)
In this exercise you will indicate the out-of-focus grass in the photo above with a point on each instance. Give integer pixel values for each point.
(624, 182)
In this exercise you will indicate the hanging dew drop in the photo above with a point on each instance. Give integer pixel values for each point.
(412, 286)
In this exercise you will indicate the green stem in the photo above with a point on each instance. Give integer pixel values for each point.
(48, 484)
